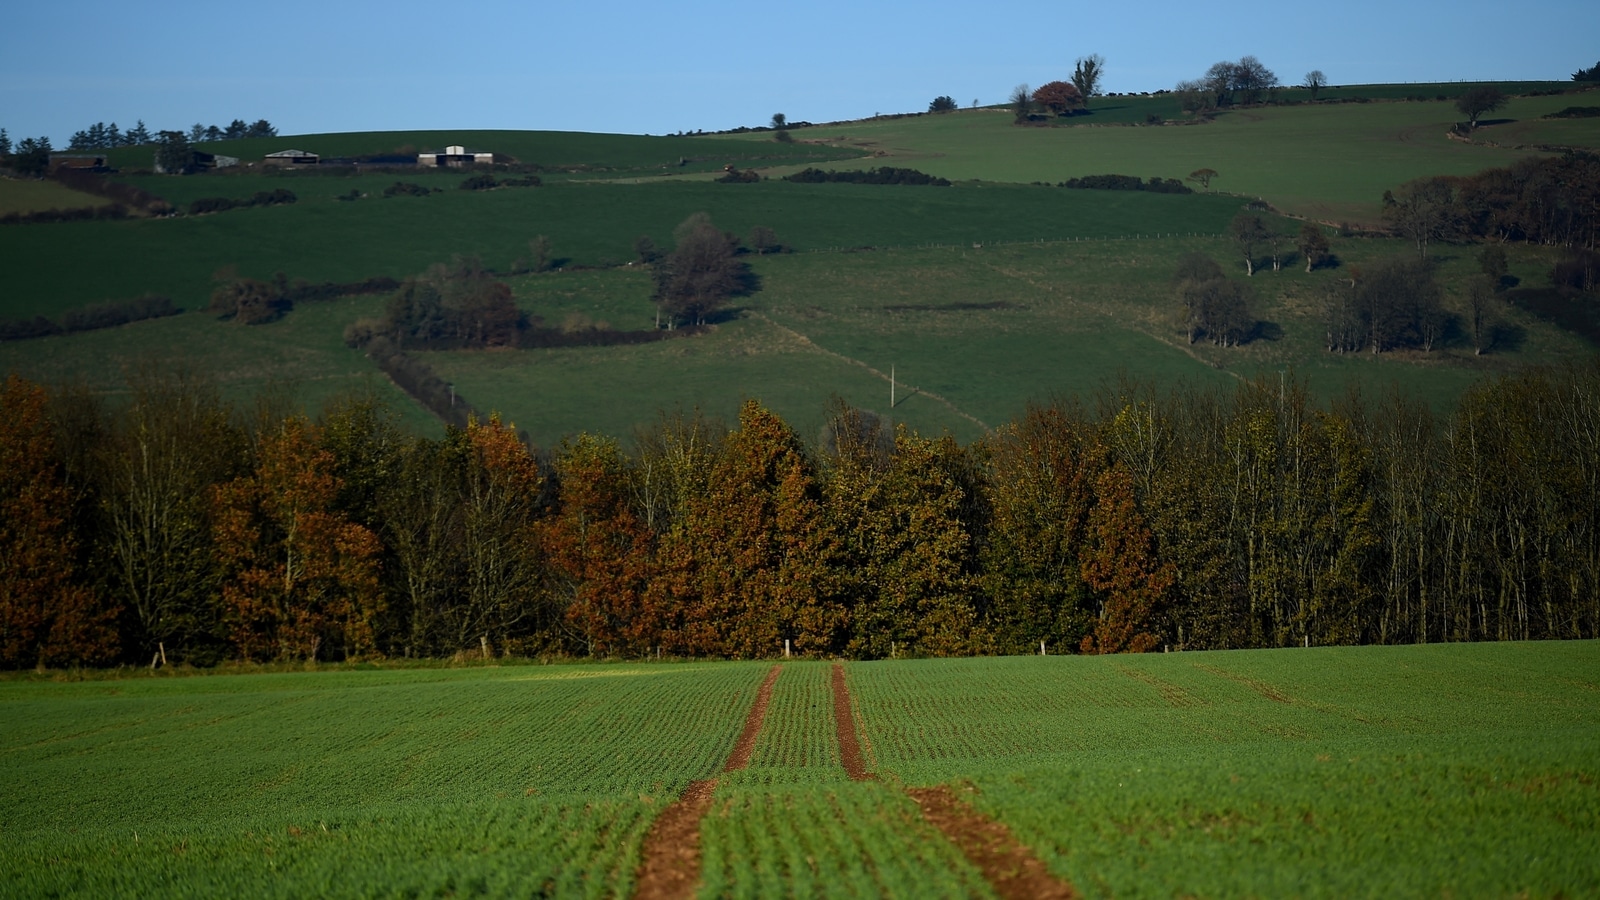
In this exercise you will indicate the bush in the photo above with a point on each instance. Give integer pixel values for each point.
(1128, 183)
(738, 176)
(883, 175)
(483, 182)
(89, 318)
(406, 189)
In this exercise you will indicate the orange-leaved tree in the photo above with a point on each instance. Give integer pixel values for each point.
(46, 616)
(597, 549)
(745, 568)
(300, 580)
(1120, 563)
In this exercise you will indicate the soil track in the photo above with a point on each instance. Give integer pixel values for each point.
(670, 865)
(1010, 867)
(845, 726)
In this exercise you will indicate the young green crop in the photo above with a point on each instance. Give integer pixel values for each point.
(502, 781)
(1463, 769)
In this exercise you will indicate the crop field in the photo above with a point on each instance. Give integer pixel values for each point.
(1466, 770)
(1461, 770)
(1328, 162)
(23, 195)
(498, 781)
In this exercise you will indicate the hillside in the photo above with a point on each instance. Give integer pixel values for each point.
(978, 297)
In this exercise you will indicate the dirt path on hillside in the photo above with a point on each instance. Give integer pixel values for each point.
(1008, 865)
(670, 865)
(885, 376)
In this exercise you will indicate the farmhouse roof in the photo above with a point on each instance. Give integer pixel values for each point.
(290, 153)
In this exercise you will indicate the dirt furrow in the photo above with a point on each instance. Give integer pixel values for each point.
(670, 865)
(1006, 863)
(844, 721)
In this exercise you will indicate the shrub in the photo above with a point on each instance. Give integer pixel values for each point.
(883, 175)
(406, 189)
(483, 182)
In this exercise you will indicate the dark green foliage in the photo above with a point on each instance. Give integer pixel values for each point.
(881, 175)
(942, 104)
(1590, 74)
(1155, 185)
(739, 176)
(275, 197)
(482, 182)
(408, 189)
(1575, 112)
(31, 157)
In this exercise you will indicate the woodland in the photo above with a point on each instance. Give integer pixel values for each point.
(179, 528)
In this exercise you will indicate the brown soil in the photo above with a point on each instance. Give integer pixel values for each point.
(670, 867)
(845, 725)
(1010, 867)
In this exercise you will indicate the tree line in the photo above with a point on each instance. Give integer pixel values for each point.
(177, 526)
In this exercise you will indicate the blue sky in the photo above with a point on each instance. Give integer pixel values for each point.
(662, 67)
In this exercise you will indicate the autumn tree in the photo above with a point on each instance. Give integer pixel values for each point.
(1203, 177)
(502, 498)
(598, 550)
(907, 545)
(1121, 565)
(300, 580)
(1041, 471)
(168, 447)
(47, 616)
(1059, 97)
(746, 567)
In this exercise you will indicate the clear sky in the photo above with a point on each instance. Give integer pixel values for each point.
(660, 67)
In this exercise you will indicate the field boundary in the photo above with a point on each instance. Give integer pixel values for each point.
(856, 362)
(844, 722)
(669, 866)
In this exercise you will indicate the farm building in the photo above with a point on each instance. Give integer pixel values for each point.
(291, 158)
(200, 161)
(455, 156)
(90, 161)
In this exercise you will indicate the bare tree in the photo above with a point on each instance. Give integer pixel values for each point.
(1314, 82)
(1086, 75)
(1423, 210)
(702, 272)
(1312, 244)
(1248, 233)
(1021, 101)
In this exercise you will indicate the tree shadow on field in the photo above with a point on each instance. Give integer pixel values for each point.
(1263, 330)
(1507, 338)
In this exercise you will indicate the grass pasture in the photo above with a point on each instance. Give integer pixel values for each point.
(1328, 161)
(1460, 770)
(27, 195)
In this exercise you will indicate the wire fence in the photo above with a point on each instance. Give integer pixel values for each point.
(979, 245)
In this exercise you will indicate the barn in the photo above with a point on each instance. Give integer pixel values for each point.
(455, 156)
(291, 158)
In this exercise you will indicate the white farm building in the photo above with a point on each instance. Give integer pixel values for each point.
(455, 156)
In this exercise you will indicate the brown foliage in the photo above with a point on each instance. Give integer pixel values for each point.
(46, 618)
(1059, 97)
(298, 572)
(1122, 564)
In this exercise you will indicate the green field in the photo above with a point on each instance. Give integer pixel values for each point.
(1464, 770)
(1330, 162)
(26, 195)
(979, 298)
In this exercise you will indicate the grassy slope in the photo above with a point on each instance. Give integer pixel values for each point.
(1466, 770)
(1329, 161)
(424, 782)
(25, 195)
